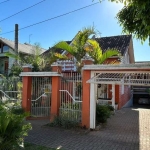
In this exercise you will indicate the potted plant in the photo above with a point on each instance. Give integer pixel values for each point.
(116, 106)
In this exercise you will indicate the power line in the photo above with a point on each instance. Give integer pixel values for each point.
(4, 1)
(22, 10)
(53, 17)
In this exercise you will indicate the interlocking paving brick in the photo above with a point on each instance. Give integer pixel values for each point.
(128, 129)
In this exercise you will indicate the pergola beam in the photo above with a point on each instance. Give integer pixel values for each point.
(121, 78)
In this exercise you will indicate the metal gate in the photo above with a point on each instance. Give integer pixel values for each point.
(71, 97)
(41, 96)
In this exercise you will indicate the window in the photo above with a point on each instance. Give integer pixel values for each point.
(0, 48)
(5, 48)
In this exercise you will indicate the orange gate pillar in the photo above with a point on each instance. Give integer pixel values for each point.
(26, 92)
(86, 99)
(55, 98)
(86, 75)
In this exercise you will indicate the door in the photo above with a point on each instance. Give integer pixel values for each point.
(6, 67)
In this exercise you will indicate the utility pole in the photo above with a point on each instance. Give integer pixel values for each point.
(16, 41)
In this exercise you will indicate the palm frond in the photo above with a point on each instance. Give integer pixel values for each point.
(15, 56)
(63, 45)
(109, 53)
(94, 50)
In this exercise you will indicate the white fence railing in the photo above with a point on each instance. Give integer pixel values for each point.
(70, 97)
(11, 88)
(41, 96)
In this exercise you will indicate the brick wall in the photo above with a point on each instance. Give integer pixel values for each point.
(124, 98)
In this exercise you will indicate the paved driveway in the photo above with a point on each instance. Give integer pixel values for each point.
(128, 129)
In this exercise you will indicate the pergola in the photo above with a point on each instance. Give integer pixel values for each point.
(121, 78)
(123, 74)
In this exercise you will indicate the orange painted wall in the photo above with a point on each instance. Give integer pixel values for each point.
(26, 94)
(55, 101)
(86, 99)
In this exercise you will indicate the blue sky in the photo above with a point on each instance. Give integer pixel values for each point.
(102, 15)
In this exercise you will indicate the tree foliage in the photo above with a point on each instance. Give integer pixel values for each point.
(82, 44)
(13, 127)
(134, 18)
(76, 48)
(95, 52)
(37, 60)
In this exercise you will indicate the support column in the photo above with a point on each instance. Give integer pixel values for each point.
(55, 98)
(93, 99)
(26, 92)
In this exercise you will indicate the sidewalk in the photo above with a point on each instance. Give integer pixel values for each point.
(128, 129)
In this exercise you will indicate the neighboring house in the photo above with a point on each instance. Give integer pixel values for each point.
(8, 46)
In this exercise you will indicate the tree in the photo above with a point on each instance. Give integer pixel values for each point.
(95, 51)
(76, 48)
(82, 44)
(37, 60)
(134, 18)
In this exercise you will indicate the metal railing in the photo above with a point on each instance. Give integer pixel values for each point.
(70, 97)
(41, 96)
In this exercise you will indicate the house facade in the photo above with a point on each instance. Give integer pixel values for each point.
(124, 44)
(8, 46)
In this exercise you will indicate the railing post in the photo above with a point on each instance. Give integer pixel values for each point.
(26, 92)
(55, 99)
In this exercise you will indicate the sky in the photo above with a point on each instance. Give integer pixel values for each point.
(101, 15)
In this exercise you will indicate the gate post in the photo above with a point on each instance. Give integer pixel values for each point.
(86, 75)
(26, 92)
(55, 98)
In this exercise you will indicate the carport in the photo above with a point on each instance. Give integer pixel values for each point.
(131, 74)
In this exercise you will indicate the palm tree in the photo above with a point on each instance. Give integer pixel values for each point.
(76, 48)
(95, 51)
(81, 45)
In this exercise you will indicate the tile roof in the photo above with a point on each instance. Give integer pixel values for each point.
(120, 42)
(24, 48)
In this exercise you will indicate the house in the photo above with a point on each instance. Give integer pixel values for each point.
(8, 46)
(123, 43)
(108, 83)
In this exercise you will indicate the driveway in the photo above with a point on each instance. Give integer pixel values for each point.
(128, 129)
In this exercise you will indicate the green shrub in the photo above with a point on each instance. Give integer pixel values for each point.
(71, 111)
(64, 123)
(111, 108)
(13, 126)
(102, 113)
